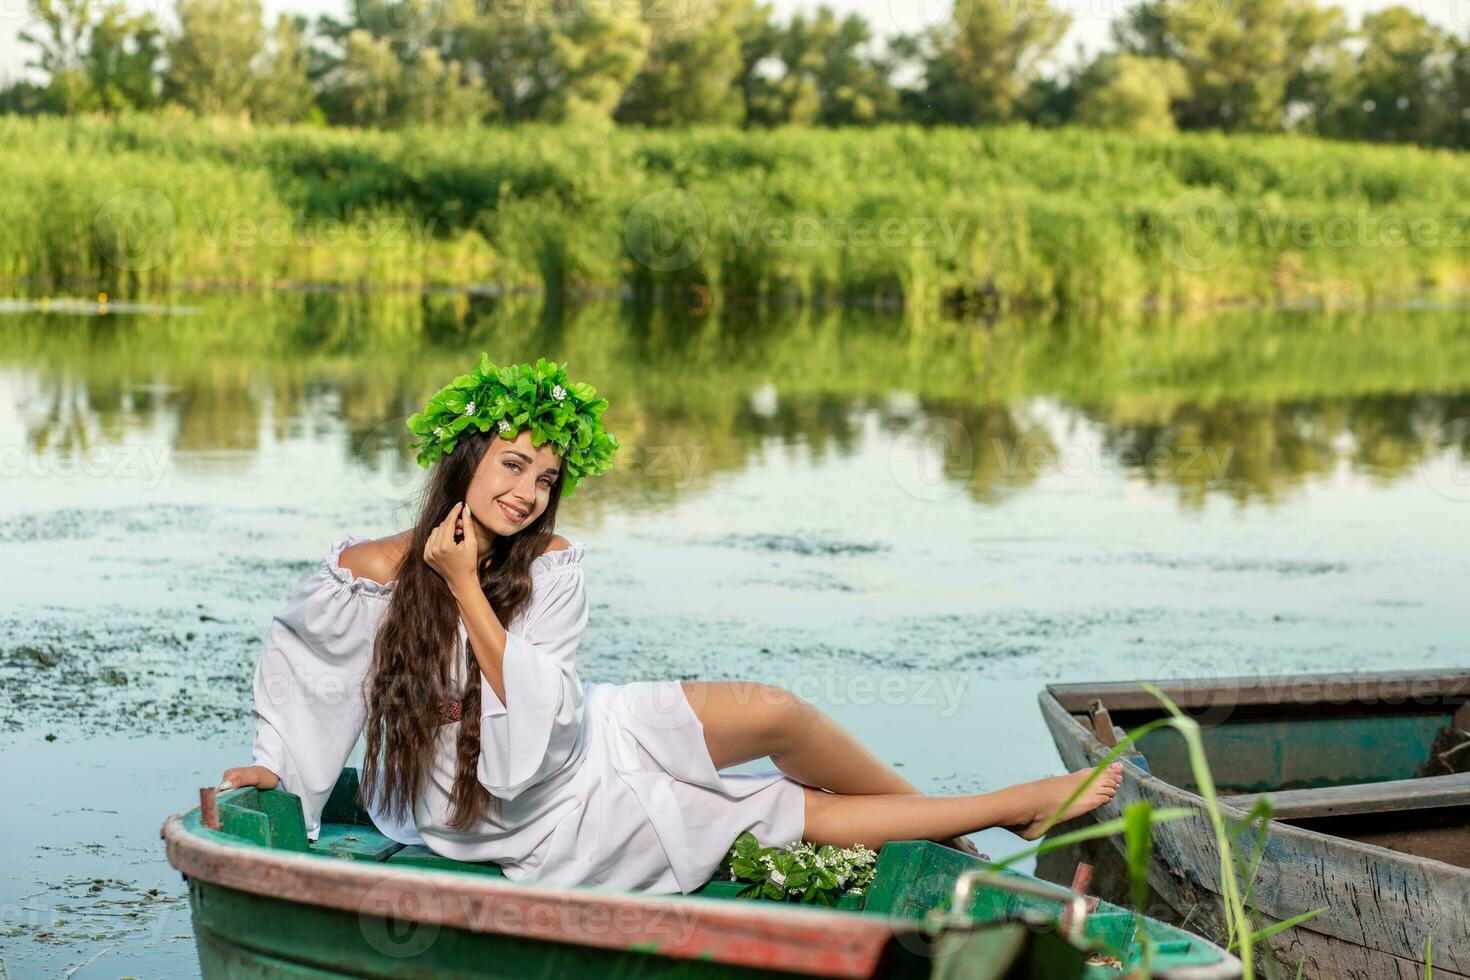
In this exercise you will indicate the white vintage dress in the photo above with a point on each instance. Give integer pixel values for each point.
(603, 784)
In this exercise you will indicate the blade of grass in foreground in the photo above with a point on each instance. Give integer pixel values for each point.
(1136, 826)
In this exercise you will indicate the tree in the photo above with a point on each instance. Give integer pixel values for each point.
(95, 56)
(552, 60)
(1245, 61)
(23, 98)
(978, 66)
(1130, 93)
(436, 91)
(854, 85)
(224, 60)
(283, 90)
(212, 60)
(693, 68)
(1456, 124)
(774, 94)
(361, 92)
(61, 45)
(1398, 87)
(372, 86)
(122, 59)
(816, 69)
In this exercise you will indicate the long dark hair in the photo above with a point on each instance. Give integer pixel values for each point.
(409, 683)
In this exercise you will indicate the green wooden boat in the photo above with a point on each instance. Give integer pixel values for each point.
(1369, 780)
(268, 903)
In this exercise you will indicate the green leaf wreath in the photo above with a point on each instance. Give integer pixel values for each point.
(799, 872)
(520, 396)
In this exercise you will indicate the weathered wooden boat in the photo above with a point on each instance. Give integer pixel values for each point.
(1357, 830)
(268, 903)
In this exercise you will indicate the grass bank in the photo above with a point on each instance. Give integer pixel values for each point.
(900, 216)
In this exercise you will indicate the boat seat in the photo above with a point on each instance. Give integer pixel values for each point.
(351, 842)
(419, 856)
(1392, 796)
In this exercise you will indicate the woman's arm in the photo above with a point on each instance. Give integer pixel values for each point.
(487, 635)
(307, 710)
(258, 776)
(531, 694)
(457, 561)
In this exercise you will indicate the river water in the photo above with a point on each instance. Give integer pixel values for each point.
(914, 525)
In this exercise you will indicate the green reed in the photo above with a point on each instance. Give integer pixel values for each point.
(1237, 871)
(969, 219)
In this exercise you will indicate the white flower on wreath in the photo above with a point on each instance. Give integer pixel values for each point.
(503, 425)
(438, 432)
(469, 408)
(558, 392)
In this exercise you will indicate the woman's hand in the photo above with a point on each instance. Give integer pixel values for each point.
(457, 562)
(258, 776)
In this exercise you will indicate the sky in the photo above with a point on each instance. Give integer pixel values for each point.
(1090, 18)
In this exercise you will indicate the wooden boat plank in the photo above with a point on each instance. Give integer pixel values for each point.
(317, 942)
(1333, 959)
(245, 823)
(419, 856)
(1384, 901)
(288, 828)
(354, 843)
(806, 940)
(1391, 688)
(1306, 749)
(1401, 794)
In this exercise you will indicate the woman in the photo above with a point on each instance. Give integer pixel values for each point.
(452, 644)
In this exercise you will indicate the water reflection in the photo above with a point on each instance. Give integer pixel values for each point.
(1244, 405)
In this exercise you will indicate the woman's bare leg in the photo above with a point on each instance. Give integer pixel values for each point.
(832, 818)
(744, 720)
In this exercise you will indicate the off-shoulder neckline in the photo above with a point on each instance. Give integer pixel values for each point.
(545, 562)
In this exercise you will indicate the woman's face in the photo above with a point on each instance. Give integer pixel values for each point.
(512, 485)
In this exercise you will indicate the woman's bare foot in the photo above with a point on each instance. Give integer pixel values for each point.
(961, 844)
(1042, 798)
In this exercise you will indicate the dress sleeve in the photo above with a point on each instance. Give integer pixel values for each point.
(523, 745)
(309, 710)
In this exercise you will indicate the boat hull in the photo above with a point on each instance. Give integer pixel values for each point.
(1380, 908)
(242, 936)
(268, 903)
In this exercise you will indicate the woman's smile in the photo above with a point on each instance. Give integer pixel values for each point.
(511, 513)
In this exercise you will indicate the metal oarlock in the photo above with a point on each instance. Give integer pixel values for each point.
(209, 807)
(1081, 880)
(1074, 912)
